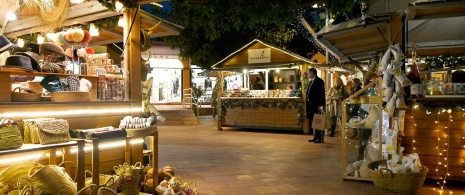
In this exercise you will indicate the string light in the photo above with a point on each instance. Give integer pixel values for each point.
(11, 16)
(20, 42)
(118, 6)
(121, 21)
(93, 31)
(40, 39)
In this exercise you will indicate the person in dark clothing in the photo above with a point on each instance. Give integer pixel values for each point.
(257, 85)
(315, 102)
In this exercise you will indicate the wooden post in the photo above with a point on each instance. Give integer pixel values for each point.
(132, 57)
(305, 121)
(81, 155)
(218, 104)
(155, 156)
(95, 163)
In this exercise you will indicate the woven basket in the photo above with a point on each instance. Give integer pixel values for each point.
(147, 131)
(70, 96)
(407, 183)
(10, 175)
(17, 96)
(109, 181)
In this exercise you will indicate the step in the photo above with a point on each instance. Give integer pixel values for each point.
(180, 118)
(169, 123)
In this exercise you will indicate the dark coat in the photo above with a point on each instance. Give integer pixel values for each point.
(315, 96)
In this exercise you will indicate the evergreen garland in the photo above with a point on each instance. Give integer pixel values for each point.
(110, 4)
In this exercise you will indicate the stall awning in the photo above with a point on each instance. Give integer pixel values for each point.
(258, 54)
(355, 38)
(89, 11)
(437, 27)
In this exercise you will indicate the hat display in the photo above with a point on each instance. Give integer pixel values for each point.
(18, 62)
(50, 47)
(35, 58)
(5, 44)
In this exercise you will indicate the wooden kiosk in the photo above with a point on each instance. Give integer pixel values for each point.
(269, 108)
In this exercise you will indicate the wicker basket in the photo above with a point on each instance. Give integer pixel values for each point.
(407, 183)
(70, 96)
(24, 97)
(141, 132)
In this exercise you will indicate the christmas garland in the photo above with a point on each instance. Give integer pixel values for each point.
(255, 104)
(110, 4)
(436, 106)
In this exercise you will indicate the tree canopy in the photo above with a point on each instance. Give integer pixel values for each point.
(215, 28)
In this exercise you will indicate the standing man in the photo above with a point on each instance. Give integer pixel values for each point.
(315, 102)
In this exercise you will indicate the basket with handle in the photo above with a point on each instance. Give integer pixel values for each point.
(10, 136)
(407, 183)
(18, 96)
(110, 181)
(141, 132)
(70, 96)
(52, 179)
(105, 190)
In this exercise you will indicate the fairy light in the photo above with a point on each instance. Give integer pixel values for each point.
(445, 152)
(20, 42)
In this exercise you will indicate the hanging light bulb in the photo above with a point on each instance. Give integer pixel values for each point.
(76, 1)
(20, 42)
(11, 16)
(50, 36)
(93, 31)
(277, 70)
(40, 39)
(118, 6)
(121, 21)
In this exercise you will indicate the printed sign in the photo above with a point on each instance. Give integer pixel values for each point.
(259, 55)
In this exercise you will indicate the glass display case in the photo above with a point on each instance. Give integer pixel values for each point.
(362, 130)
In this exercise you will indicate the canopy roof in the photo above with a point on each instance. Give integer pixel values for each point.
(278, 57)
(436, 26)
(87, 12)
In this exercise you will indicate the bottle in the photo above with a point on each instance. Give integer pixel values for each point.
(414, 76)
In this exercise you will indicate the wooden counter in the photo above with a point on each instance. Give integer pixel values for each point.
(438, 140)
(284, 113)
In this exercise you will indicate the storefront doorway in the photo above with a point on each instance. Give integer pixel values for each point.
(167, 81)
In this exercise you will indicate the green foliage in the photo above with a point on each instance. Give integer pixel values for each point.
(110, 4)
(216, 28)
(213, 29)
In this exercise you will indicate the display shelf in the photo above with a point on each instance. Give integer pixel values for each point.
(26, 148)
(17, 72)
(356, 138)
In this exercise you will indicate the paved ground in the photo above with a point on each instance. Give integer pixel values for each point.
(237, 161)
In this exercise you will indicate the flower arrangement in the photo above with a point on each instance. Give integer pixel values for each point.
(197, 92)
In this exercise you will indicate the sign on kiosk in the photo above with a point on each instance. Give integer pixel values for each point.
(259, 55)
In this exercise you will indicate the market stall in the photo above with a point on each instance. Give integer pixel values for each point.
(110, 92)
(259, 94)
(429, 35)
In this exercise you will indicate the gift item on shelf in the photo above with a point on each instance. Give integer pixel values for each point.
(53, 67)
(175, 186)
(46, 131)
(18, 63)
(24, 95)
(5, 44)
(102, 133)
(51, 179)
(10, 175)
(139, 127)
(10, 136)
(35, 58)
(398, 178)
(109, 181)
(131, 177)
(85, 85)
(50, 47)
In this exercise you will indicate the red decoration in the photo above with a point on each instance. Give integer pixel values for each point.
(89, 50)
(87, 37)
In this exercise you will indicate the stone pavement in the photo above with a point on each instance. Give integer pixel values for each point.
(235, 161)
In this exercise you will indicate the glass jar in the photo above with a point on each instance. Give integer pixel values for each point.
(429, 87)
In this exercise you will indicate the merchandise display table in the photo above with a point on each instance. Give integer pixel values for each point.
(283, 113)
